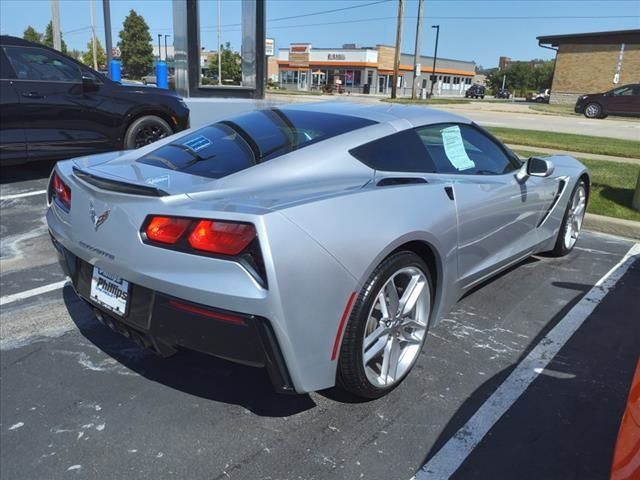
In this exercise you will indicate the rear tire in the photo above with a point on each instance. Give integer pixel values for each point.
(572, 221)
(383, 339)
(146, 130)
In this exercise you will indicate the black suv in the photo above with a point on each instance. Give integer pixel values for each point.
(53, 107)
(475, 91)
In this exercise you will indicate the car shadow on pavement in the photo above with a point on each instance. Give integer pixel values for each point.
(565, 423)
(28, 171)
(194, 373)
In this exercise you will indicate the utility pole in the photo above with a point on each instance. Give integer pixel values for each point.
(504, 79)
(55, 25)
(93, 36)
(416, 51)
(159, 48)
(219, 49)
(106, 13)
(396, 57)
(435, 56)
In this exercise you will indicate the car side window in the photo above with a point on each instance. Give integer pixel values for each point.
(6, 72)
(33, 63)
(463, 149)
(400, 152)
(624, 91)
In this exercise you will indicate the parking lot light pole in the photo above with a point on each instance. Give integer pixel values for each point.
(435, 56)
(159, 48)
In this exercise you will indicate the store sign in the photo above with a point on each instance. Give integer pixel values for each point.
(299, 54)
(336, 56)
(269, 47)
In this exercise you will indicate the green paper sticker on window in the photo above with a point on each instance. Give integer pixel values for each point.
(454, 148)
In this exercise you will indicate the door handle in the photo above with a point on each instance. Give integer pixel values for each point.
(32, 95)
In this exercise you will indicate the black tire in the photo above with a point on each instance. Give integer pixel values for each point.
(593, 110)
(560, 249)
(481, 97)
(351, 375)
(146, 130)
(144, 82)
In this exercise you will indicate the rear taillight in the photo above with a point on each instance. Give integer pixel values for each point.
(210, 236)
(61, 192)
(225, 238)
(167, 229)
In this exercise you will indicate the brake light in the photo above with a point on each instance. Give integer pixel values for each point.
(167, 229)
(221, 237)
(61, 191)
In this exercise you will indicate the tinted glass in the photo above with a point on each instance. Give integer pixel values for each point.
(32, 63)
(5, 67)
(278, 131)
(233, 145)
(464, 149)
(400, 152)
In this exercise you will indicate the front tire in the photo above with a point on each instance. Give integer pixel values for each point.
(572, 221)
(146, 130)
(593, 110)
(387, 327)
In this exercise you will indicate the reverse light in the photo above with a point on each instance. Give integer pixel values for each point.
(61, 192)
(225, 238)
(167, 229)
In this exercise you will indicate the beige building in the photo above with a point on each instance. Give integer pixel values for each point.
(592, 62)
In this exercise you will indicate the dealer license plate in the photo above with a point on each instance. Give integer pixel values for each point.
(109, 291)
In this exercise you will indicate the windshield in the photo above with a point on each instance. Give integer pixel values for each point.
(232, 145)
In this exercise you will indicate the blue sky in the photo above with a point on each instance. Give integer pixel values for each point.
(470, 38)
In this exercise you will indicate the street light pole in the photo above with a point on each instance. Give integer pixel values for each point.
(159, 48)
(416, 51)
(106, 13)
(435, 56)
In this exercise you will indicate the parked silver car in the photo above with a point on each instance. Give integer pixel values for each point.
(320, 241)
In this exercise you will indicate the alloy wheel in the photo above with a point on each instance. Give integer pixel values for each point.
(148, 134)
(396, 327)
(575, 217)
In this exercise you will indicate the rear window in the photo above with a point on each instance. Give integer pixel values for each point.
(232, 145)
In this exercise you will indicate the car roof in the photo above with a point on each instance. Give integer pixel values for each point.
(9, 40)
(383, 112)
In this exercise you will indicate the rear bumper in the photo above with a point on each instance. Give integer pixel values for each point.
(164, 323)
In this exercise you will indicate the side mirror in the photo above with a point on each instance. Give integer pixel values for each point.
(535, 167)
(90, 84)
(539, 167)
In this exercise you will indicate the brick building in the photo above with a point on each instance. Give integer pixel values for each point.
(592, 62)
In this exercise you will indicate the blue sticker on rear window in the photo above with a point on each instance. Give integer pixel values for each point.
(198, 143)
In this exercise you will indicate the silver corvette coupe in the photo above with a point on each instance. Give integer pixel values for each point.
(319, 241)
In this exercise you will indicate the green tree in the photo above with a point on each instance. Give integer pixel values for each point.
(87, 57)
(231, 66)
(48, 38)
(543, 74)
(135, 46)
(32, 35)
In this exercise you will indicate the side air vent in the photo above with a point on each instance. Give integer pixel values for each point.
(117, 186)
(386, 182)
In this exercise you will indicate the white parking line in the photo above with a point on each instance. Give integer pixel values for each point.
(449, 458)
(22, 195)
(14, 297)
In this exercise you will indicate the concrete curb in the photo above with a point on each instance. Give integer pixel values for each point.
(614, 226)
(559, 151)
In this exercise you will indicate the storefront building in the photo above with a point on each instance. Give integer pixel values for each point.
(352, 69)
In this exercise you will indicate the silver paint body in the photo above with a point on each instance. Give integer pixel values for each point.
(323, 226)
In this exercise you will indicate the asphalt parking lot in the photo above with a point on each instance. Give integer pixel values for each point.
(504, 388)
